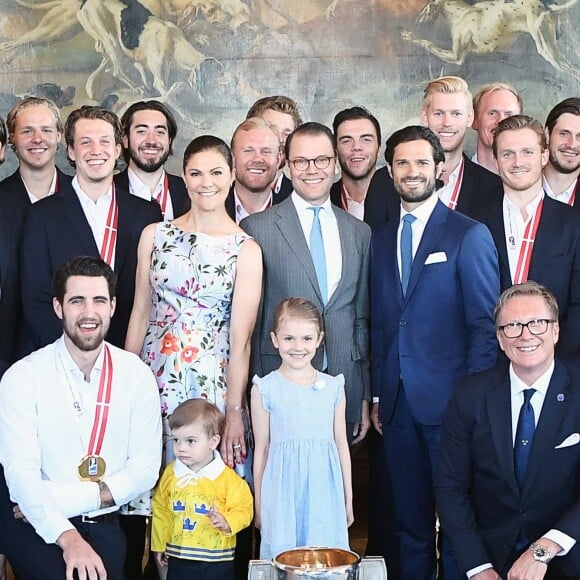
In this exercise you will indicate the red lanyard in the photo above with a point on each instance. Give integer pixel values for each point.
(102, 407)
(573, 196)
(455, 194)
(527, 246)
(110, 237)
(343, 197)
(163, 195)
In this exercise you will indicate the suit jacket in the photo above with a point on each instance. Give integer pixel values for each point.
(555, 263)
(177, 191)
(480, 505)
(277, 197)
(57, 230)
(289, 271)
(479, 189)
(443, 328)
(335, 194)
(14, 203)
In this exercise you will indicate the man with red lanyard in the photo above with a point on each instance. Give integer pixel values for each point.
(149, 129)
(80, 434)
(467, 187)
(536, 237)
(562, 172)
(358, 141)
(89, 217)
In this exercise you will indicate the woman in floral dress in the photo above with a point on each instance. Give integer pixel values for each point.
(197, 295)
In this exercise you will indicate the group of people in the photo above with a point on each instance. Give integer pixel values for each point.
(383, 298)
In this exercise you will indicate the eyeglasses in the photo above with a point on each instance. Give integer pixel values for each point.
(536, 327)
(302, 164)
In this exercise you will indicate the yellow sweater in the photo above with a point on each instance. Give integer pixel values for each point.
(181, 502)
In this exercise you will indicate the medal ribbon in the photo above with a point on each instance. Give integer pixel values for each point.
(102, 407)
(343, 198)
(455, 194)
(163, 195)
(110, 237)
(527, 246)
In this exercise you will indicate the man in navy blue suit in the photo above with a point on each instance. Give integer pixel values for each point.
(508, 477)
(434, 284)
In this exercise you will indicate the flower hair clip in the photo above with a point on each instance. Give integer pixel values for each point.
(319, 385)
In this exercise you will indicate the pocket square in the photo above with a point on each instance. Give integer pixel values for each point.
(436, 258)
(573, 439)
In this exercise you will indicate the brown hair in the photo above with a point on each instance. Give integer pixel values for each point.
(297, 308)
(32, 102)
(278, 103)
(208, 143)
(252, 123)
(194, 410)
(529, 288)
(514, 124)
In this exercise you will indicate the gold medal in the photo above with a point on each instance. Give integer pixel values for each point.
(92, 468)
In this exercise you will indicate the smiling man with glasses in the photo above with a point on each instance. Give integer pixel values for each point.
(317, 251)
(508, 478)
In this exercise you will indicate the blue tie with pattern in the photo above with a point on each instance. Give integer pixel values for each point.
(318, 255)
(406, 250)
(524, 437)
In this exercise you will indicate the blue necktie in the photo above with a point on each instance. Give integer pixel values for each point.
(524, 437)
(406, 250)
(318, 255)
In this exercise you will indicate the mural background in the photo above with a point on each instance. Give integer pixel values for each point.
(211, 59)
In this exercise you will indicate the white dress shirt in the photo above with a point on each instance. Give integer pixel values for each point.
(330, 236)
(140, 189)
(43, 438)
(96, 213)
(446, 191)
(517, 388)
(353, 207)
(33, 198)
(241, 212)
(515, 226)
(564, 196)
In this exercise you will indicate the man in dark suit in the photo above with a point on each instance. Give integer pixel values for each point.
(434, 283)
(562, 172)
(508, 477)
(89, 217)
(358, 141)
(282, 112)
(340, 292)
(536, 237)
(149, 130)
(34, 132)
(257, 156)
(468, 188)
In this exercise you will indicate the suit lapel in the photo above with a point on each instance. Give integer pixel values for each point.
(495, 224)
(556, 403)
(347, 251)
(468, 188)
(500, 423)
(545, 236)
(124, 228)
(77, 220)
(289, 225)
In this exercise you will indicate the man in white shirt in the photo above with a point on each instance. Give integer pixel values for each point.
(80, 435)
(508, 477)
(562, 172)
(149, 130)
(537, 238)
(257, 155)
(491, 104)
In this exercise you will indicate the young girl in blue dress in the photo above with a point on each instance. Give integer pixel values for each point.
(302, 473)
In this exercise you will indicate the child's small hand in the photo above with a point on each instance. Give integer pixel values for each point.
(218, 521)
(161, 558)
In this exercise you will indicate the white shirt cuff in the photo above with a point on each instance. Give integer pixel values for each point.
(561, 539)
(471, 573)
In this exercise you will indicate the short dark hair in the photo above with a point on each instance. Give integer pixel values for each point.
(354, 114)
(414, 133)
(529, 288)
(515, 123)
(278, 103)
(571, 105)
(313, 129)
(3, 135)
(83, 266)
(152, 105)
(194, 410)
(208, 143)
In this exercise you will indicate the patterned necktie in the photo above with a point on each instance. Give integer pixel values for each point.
(406, 250)
(524, 437)
(318, 255)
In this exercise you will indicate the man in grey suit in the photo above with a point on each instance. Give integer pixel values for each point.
(314, 250)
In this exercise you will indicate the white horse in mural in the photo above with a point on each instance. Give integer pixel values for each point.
(491, 25)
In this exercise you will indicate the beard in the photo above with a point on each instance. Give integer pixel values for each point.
(151, 165)
(562, 168)
(430, 186)
(85, 343)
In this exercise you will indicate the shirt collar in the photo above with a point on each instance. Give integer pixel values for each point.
(541, 384)
(140, 189)
(424, 211)
(84, 198)
(211, 471)
(68, 360)
(302, 205)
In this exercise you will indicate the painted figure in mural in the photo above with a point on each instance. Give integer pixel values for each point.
(358, 141)
(256, 151)
(197, 295)
(149, 130)
(562, 172)
(491, 104)
(488, 26)
(537, 238)
(282, 112)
